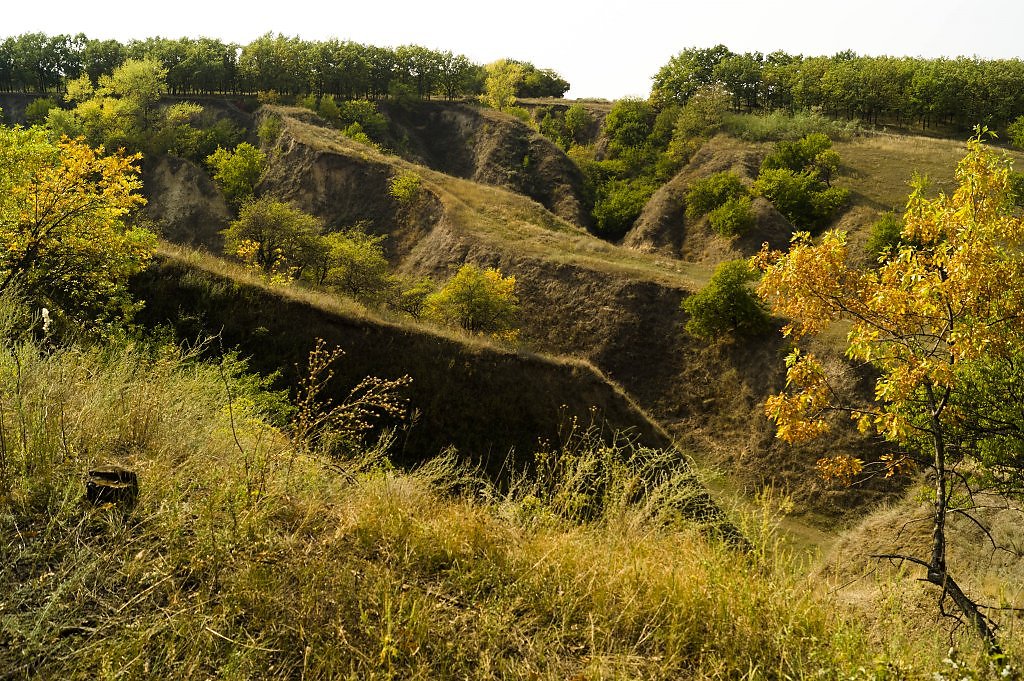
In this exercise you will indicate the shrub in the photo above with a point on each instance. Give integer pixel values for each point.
(780, 125)
(269, 130)
(479, 301)
(798, 155)
(885, 233)
(1015, 132)
(727, 304)
(355, 264)
(708, 193)
(405, 188)
(1017, 188)
(37, 109)
(619, 204)
(237, 172)
(732, 218)
(799, 196)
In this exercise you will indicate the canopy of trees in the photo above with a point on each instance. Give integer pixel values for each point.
(962, 92)
(35, 62)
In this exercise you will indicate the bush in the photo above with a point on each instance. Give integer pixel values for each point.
(727, 304)
(479, 301)
(734, 217)
(619, 204)
(405, 188)
(801, 197)
(779, 125)
(708, 193)
(798, 155)
(885, 233)
(237, 172)
(1017, 188)
(354, 263)
(629, 123)
(37, 109)
(1015, 131)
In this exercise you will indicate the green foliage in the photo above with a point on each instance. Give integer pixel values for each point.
(37, 109)
(782, 125)
(708, 193)
(479, 301)
(237, 172)
(409, 295)
(540, 82)
(886, 234)
(1016, 181)
(405, 188)
(269, 130)
(503, 78)
(812, 154)
(354, 263)
(629, 123)
(619, 203)
(578, 122)
(1015, 131)
(800, 196)
(727, 304)
(735, 217)
(66, 226)
(702, 114)
(275, 238)
(365, 114)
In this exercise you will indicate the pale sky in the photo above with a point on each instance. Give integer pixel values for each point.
(604, 49)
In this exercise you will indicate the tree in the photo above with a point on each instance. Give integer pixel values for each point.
(503, 77)
(274, 237)
(237, 172)
(629, 123)
(67, 239)
(479, 301)
(355, 263)
(940, 322)
(727, 304)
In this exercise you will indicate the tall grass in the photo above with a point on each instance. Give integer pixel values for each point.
(247, 557)
(779, 125)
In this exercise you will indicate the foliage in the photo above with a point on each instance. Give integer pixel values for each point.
(939, 321)
(36, 110)
(619, 203)
(405, 188)
(800, 196)
(735, 217)
(708, 193)
(237, 172)
(798, 155)
(409, 295)
(629, 123)
(540, 82)
(727, 304)
(479, 301)
(886, 234)
(702, 114)
(65, 225)
(354, 263)
(274, 237)
(781, 125)
(577, 123)
(269, 129)
(503, 78)
(1015, 131)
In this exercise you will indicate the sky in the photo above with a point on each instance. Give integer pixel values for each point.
(604, 49)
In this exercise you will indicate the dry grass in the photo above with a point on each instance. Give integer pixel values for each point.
(245, 558)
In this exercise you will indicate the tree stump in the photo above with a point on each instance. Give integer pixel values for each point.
(112, 485)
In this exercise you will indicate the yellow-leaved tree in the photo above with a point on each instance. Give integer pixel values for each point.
(941, 321)
(66, 238)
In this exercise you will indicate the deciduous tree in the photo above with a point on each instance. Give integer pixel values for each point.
(65, 229)
(941, 320)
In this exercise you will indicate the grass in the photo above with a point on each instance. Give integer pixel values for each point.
(250, 557)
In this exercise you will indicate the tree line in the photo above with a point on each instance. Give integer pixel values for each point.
(38, 63)
(961, 91)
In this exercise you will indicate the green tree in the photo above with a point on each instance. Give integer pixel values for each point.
(939, 320)
(800, 196)
(578, 122)
(65, 225)
(275, 237)
(503, 78)
(727, 304)
(355, 263)
(237, 172)
(629, 123)
(479, 301)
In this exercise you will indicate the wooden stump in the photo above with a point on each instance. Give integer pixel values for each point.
(112, 485)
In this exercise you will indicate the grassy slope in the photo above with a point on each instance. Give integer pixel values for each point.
(247, 558)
